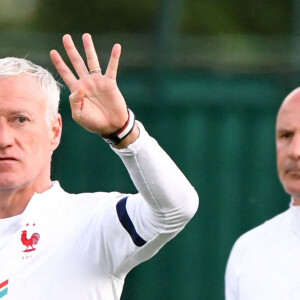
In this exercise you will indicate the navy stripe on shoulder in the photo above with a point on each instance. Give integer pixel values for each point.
(127, 223)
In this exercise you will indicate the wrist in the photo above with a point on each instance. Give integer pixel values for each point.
(121, 134)
(131, 138)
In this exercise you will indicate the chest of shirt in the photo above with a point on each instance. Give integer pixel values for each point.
(45, 258)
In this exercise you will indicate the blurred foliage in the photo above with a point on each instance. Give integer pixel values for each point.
(94, 15)
(115, 16)
(236, 16)
(14, 14)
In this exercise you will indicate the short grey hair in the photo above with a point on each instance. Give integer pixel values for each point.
(14, 66)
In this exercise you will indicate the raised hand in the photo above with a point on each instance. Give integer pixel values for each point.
(96, 101)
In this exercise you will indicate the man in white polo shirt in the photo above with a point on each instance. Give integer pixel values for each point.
(265, 262)
(56, 245)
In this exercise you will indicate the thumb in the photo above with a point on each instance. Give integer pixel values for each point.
(76, 103)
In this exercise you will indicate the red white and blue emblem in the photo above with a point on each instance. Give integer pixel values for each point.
(3, 288)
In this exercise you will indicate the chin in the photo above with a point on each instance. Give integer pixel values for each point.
(9, 183)
(293, 191)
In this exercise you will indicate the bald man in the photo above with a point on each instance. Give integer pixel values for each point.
(265, 262)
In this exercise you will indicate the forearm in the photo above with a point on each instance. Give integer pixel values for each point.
(158, 179)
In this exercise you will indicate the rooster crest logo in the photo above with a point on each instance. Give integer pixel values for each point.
(29, 242)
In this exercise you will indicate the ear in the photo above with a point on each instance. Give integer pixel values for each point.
(55, 131)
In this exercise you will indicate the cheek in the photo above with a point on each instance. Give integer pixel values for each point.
(280, 156)
(281, 162)
(39, 142)
(279, 159)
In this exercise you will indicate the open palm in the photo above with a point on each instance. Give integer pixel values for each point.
(96, 101)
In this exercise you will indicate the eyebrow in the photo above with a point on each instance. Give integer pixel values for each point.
(20, 112)
(283, 130)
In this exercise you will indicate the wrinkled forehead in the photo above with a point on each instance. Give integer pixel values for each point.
(20, 90)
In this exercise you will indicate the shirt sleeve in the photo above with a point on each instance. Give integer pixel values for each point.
(165, 203)
(119, 231)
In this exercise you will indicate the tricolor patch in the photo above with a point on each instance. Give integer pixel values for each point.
(3, 288)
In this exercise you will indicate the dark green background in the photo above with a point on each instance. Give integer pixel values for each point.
(220, 132)
(206, 78)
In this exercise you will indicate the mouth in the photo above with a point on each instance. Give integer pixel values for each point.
(8, 159)
(294, 173)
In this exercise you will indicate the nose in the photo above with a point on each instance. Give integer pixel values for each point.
(294, 149)
(6, 135)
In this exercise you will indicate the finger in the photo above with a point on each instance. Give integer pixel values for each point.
(75, 58)
(113, 64)
(91, 55)
(76, 101)
(63, 70)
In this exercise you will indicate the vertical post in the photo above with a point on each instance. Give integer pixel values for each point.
(295, 53)
(168, 31)
(166, 37)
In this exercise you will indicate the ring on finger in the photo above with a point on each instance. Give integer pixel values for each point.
(96, 70)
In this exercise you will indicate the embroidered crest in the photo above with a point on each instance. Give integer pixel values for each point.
(29, 241)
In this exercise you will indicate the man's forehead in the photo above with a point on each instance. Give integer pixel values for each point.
(22, 81)
(288, 117)
(22, 86)
(292, 98)
(290, 104)
(21, 95)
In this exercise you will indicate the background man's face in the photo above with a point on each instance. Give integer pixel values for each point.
(288, 145)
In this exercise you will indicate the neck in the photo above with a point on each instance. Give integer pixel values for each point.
(296, 202)
(14, 201)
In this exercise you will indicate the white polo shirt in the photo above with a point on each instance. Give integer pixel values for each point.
(81, 246)
(265, 262)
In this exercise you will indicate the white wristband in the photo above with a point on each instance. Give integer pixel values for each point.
(116, 137)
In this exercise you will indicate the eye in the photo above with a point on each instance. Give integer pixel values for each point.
(21, 119)
(285, 135)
